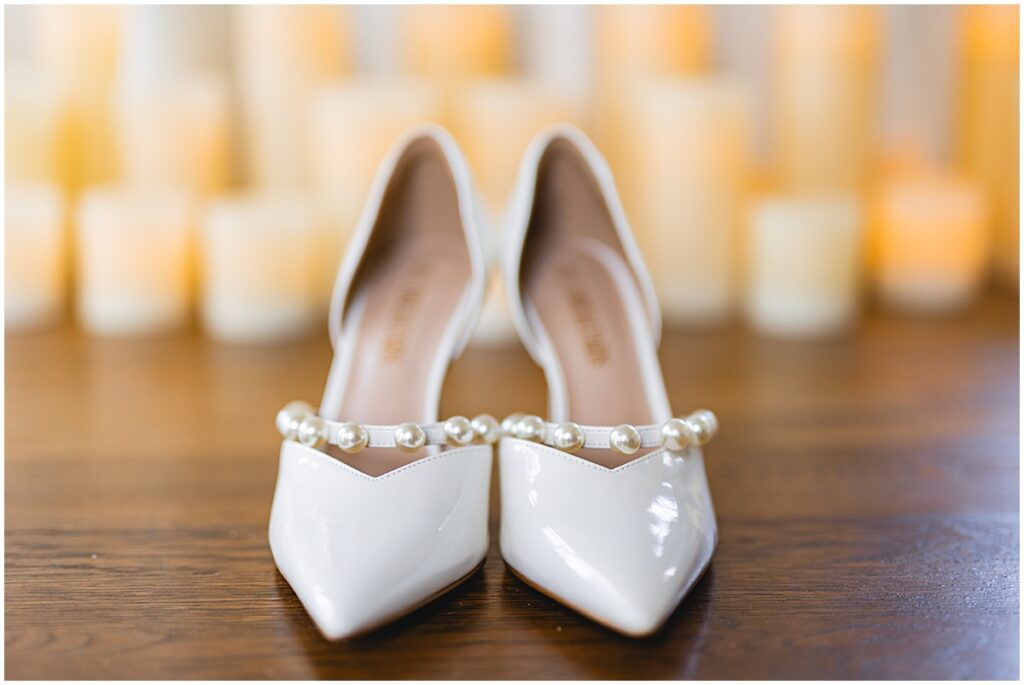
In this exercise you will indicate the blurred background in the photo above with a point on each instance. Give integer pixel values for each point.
(787, 167)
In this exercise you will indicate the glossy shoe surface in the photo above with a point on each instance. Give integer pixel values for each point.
(360, 551)
(380, 506)
(622, 546)
(605, 505)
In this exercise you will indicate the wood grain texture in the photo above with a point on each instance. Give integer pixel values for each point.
(866, 492)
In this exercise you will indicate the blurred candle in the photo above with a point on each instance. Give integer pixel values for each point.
(34, 255)
(171, 105)
(495, 119)
(646, 40)
(134, 259)
(175, 133)
(557, 47)
(990, 118)
(448, 44)
(451, 42)
(33, 126)
(168, 41)
(259, 276)
(805, 255)
(932, 242)
(826, 87)
(78, 45)
(354, 124)
(72, 39)
(689, 165)
(632, 43)
(284, 54)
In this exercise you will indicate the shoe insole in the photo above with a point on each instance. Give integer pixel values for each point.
(587, 307)
(397, 342)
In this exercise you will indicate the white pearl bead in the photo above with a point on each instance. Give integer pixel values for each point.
(677, 434)
(624, 439)
(312, 431)
(508, 424)
(351, 437)
(530, 428)
(485, 429)
(288, 419)
(410, 437)
(704, 424)
(567, 436)
(458, 431)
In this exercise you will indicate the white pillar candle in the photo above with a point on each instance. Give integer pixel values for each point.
(449, 44)
(134, 260)
(636, 42)
(175, 133)
(33, 127)
(931, 242)
(70, 39)
(990, 130)
(284, 54)
(557, 48)
(494, 120)
(168, 41)
(171, 103)
(259, 268)
(452, 42)
(78, 46)
(354, 124)
(825, 95)
(688, 172)
(35, 273)
(805, 256)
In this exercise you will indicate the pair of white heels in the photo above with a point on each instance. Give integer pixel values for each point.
(380, 507)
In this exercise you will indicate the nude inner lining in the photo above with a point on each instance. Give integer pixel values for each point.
(416, 272)
(575, 281)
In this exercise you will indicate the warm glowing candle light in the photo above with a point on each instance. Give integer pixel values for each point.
(826, 82)
(688, 175)
(634, 42)
(134, 260)
(284, 54)
(455, 41)
(805, 256)
(354, 124)
(259, 268)
(990, 135)
(647, 40)
(78, 46)
(34, 118)
(175, 133)
(495, 119)
(73, 39)
(931, 242)
(171, 104)
(34, 255)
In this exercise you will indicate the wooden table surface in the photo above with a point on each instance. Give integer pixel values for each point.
(866, 492)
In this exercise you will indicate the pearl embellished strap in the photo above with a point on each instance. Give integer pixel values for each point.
(299, 421)
(384, 435)
(599, 437)
(675, 434)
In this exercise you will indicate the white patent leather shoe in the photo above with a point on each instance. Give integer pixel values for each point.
(379, 506)
(604, 506)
